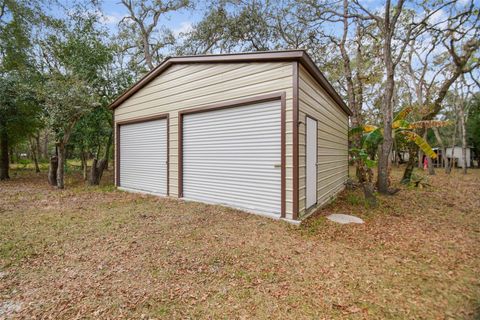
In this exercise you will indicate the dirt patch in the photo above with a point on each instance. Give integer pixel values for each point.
(9, 308)
(101, 253)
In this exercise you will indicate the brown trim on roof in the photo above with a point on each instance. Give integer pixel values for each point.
(117, 144)
(268, 56)
(238, 103)
(295, 77)
(265, 56)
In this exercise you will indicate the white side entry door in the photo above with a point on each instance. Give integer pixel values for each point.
(311, 179)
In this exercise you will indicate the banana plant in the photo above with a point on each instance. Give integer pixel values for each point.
(372, 135)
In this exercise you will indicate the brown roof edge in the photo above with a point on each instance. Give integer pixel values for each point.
(266, 56)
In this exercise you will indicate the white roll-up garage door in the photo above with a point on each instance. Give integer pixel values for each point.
(143, 156)
(233, 157)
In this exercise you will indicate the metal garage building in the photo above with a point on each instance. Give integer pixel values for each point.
(264, 132)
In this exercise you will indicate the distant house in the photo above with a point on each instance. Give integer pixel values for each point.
(264, 132)
(457, 156)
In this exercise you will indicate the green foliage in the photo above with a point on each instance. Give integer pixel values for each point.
(78, 58)
(364, 156)
(15, 32)
(20, 112)
(67, 99)
(473, 125)
(371, 137)
(92, 131)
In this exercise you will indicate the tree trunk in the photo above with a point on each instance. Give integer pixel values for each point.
(431, 169)
(407, 175)
(96, 171)
(452, 160)
(83, 158)
(11, 153)
(369, 194)
(45, 145)
(61, 165)
(464, 138)
(451, 163)
(4, 164)
(107, 150)
(395, 154)
(411, 163)
(387, 115)
(37, 146)
(52, 171)
(383, 164)
(97, 154)
(440, 141)
(33, 146)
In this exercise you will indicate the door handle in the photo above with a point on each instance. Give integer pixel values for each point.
(277, 165)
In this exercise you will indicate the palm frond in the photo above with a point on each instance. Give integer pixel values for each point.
(403, 113)
(369, 128)
(404, 124)
(373, 138)
(420, 142)
(429, 124)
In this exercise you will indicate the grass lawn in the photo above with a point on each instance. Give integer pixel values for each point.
(100, 253)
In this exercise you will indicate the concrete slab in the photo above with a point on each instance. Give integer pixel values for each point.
(344, 218)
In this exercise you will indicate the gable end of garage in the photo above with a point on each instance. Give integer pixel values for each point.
(299, 56)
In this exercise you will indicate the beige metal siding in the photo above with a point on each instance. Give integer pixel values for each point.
(185, 86)
(332, 140)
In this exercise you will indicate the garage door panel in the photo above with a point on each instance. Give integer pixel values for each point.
(225, 124)
(245, 202)
(206, 136)
(263, 163)
(143, 156)
(233, 119)
(240, 152)
(234, 115)
(233, 156)
(238, 182)
(201, 130)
